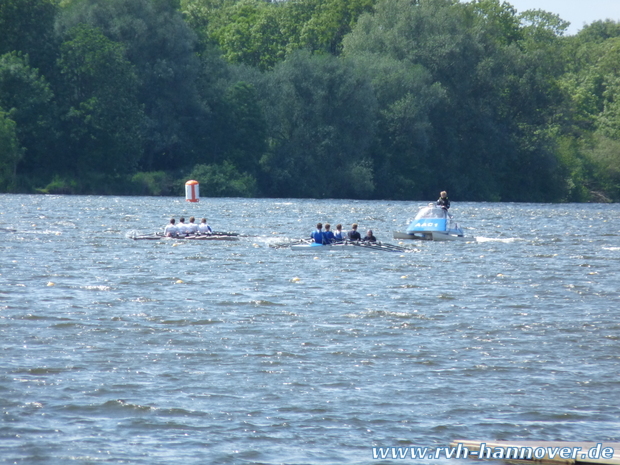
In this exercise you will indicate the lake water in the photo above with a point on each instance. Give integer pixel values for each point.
(202, 352)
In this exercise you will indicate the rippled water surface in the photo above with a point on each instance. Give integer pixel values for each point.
(157, 352)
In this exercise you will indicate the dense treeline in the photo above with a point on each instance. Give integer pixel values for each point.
(392, 99)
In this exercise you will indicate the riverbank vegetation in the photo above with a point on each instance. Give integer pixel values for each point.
(368, 99)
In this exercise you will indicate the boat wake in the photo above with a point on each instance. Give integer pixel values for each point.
(506, 240)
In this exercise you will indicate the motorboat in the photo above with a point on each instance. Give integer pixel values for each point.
(433, 223)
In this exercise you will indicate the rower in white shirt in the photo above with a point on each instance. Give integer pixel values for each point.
(171, 229)
(182, 227)
(204, 228)
(192, 227)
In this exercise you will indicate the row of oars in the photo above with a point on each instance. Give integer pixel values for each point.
(285, 244)
(381, 246)
(368, 245)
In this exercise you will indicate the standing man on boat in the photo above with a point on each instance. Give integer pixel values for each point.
(171, 230)
(353, 235)
(317, 235)
(443, 201)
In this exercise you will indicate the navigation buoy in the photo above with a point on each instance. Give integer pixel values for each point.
(192, 191)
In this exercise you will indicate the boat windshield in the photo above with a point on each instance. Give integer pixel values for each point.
(431, 212)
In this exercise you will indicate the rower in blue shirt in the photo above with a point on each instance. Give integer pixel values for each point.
(317, 235)
(340, 234)
(328, 235)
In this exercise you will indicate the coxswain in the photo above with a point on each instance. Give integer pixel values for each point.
(317, 235)
(328, 235)
(192, 227)
(443, 201)
(204, 228)
(353, 235)
(369, 237)
(171, 229)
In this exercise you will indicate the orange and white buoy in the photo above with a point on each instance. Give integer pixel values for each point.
(192, 193)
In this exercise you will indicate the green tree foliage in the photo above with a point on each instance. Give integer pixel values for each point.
(101, 114)
(261, 34)
(320, 113)
(486, 132)
(498, 20)
(246, 136)
(592, 121)
(599, 31)
(200, 14)
(308, 98)
(604, 156)
(10, 153)
(251, 35)
(330, 22)
(402, 150)
(162, 48)
(27, 26)
(223, 180)
(29, 99)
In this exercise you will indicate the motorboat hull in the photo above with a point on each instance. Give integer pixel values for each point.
(419, 236)
(430, 236)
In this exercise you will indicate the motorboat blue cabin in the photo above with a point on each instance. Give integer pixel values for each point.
(432, 223)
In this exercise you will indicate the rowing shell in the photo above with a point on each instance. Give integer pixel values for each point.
(347, 245)
(191, 237)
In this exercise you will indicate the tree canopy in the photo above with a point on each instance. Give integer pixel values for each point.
(308, 98)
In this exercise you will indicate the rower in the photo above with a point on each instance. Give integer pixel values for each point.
(328, 235)
(171, 229)
(192, 227)
(204, 228)
(317, 235)
(182, 227)
(340, 235)
(353, 235)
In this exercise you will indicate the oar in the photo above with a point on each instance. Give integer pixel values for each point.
(379, 246)
(222, 233)
(399, 248)
(146, 236)
(281, 245)
(395, 248)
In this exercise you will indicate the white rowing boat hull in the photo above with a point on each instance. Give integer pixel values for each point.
(214, 237)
